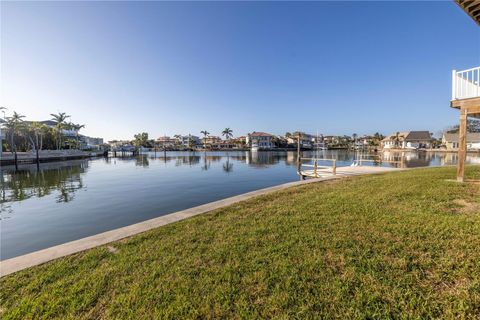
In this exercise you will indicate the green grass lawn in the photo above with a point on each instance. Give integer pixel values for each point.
(397, 245)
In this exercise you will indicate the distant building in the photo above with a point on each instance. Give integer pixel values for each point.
(330, 140)
(185, 140)
(165, 142)
(260, 141)
(239, 142)
(211, 140)
(222, 145)
(450, 141)
(121, 145)
(306, 140)
(408, 140)
(52, 124)
(48, 123)
(90, 143)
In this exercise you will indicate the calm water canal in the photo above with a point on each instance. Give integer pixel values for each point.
(65, 201)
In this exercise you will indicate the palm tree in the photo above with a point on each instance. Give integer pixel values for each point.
(205, 134)
(191, 142)
(34, 132)
(77, 127)
(397, 139)
(228, 133)
(14, 127)
(178, 139)
(60, 119)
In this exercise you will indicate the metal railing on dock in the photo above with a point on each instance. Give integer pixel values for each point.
(377, 159)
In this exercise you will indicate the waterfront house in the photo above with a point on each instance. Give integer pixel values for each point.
(450, 141)
(239, 142)
(185, 141)
(165, 142)
(121, 145)
(466, 92)
(211, 140)
(306, 140)
(260, 141)
(320, 143)
(408, 140)
(360, 143)
(89, 143)
(330, 140)
(222, 145)
(83, 142)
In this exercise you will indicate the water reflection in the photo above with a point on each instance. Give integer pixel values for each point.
(227, 165)
(63, 178)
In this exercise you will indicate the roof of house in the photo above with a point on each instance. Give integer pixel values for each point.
(410, 136)
(419, 135)
(453, 137)
(49, 123)
(401, 136)
(260, 134)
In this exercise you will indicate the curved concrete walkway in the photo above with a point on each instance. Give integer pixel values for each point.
(38, 257)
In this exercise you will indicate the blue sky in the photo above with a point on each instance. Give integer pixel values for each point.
(161, 67)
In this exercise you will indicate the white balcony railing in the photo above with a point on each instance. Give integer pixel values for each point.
(466, 84)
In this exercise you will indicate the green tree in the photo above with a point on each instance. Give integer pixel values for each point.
(473, 125)
(15, 127)
(141, 140)
(205, 135)
(191, 142)
(227, 133)
(61, 123)
(178, 141)
(34, 134)
(76, 127)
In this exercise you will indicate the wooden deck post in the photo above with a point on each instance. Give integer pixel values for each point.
(299, 160)
(315, 168)
(334, 167)
(462, 145)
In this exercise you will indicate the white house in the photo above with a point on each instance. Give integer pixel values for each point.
(185, 140)
(260, 141)
(306, 140)
(165, 142)
(450, 141)
(408, 140)
(91, 142)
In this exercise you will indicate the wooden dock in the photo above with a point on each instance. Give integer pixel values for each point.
(345, 171)
(323, 171)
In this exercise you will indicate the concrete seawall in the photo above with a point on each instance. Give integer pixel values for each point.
(46, 156)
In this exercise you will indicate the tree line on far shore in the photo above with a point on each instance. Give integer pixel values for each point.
(21, 135)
